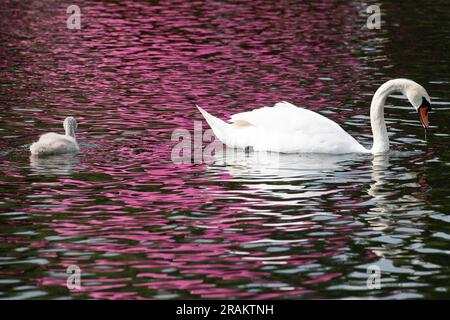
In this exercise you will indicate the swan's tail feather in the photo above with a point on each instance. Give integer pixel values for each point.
(219, 127)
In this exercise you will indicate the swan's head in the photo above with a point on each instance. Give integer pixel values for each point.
(420, 100)
(70, 125)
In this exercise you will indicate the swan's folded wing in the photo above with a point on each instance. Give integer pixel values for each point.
(285, 117)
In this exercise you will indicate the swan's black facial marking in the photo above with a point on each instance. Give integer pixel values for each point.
(423, 110)
(425, 103)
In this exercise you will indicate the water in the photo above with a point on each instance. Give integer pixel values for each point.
(298, 226)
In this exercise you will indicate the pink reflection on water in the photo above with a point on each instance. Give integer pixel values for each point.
(131, 77)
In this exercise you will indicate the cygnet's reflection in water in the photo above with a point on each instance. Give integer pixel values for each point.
(58, 164)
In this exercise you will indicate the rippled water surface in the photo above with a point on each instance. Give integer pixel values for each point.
(242, 226)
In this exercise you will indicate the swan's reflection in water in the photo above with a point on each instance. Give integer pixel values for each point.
(398, 208)
(341, 200)
(390, 199)
(278, 165)
(380, 166)
(290, 178)
(380, 194)
(64, 164)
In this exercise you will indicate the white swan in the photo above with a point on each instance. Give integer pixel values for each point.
(54, 143)
(290, 129)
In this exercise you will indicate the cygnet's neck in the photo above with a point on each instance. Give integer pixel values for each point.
(70, 131)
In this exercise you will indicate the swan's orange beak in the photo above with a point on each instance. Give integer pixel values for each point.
(423, 112)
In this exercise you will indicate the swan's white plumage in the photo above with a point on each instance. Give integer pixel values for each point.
(290, 129)
(54, 143)
(284, 128)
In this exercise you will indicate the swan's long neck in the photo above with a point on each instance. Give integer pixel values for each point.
(380, 136)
